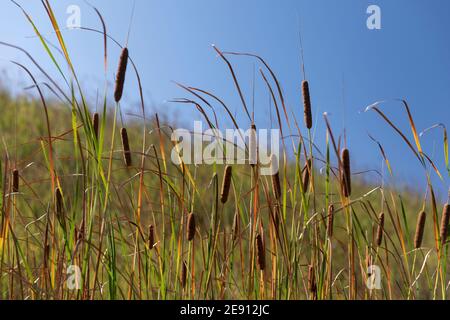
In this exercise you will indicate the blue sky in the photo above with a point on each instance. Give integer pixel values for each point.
(345, 62)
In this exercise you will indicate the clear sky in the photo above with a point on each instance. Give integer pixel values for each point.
(348, 65)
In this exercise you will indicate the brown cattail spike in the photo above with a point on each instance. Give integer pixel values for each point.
(126, 147)
(59, 203)
(306, 175)
(236, 226)
(183, 276)
(276, 186)
(346, 173)
(261, 254)
(312, 287)
(419, 230)
(15, 186)
(226, 184)
(380, 229)
(95, 122)
(151, 237)
(120, 77)
(253, 148)
(330, 220)
(191, 227)
(307, 104)
(444, 223)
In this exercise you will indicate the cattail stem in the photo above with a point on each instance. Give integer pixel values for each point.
(226, 184)
(120, 77)
(419, 230)
(126, 147)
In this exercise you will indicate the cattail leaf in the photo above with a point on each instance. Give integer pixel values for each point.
(413, 127)
(233, 74)
(445, 142)
(58, 33)
(44, 43)
(433, 165)
(376, 109)
(383, 153)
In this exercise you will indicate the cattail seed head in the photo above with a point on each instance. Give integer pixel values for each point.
(419, 230)
(120, 77)
(191, 227)
(15, 185)
(444, 223)
(312, 287)
(236, 226)
(226, 184)
(346, 173)
(380, 229)
(59, 203)
(126, 147)
(95, 122)
(151, 237)
(307, 104)
(183, 275)
(330, 220)
(261, 254)
(276, 186)
(306, 175)
(252, 146)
